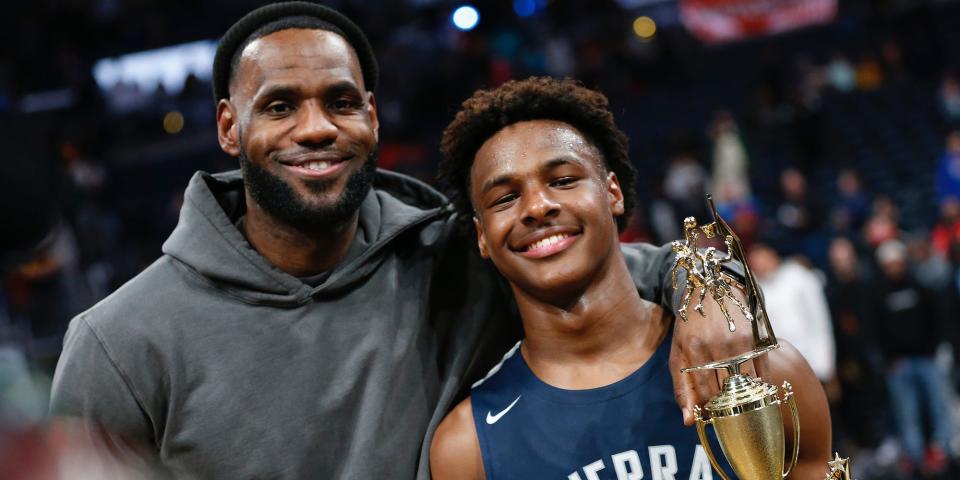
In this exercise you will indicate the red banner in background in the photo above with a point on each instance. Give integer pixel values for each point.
(719, 21)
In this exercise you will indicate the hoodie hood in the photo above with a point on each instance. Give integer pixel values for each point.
(207, 242)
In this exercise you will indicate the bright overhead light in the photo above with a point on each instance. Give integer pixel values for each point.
(644, 27)
(465, 18)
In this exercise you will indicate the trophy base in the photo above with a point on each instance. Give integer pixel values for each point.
(732, 364)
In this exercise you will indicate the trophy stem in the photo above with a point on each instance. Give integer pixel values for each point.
(737, 382)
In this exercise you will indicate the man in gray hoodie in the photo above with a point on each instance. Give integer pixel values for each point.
(311, 316)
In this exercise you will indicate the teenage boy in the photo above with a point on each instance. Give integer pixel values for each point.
(543, 170)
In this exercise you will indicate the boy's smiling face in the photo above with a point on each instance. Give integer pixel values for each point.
(545, 207)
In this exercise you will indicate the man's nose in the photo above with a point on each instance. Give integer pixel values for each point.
(539, 205)
(314, 126)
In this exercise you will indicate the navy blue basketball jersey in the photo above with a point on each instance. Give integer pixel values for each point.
(629, 430)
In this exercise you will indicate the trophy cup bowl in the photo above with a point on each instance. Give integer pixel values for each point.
(748, 423)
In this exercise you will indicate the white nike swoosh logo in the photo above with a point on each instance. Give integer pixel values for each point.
(491, 419)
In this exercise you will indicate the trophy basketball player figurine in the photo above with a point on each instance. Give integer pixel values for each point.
(746, 413)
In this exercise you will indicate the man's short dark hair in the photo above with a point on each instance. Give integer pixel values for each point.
(536, 98)
(281, 16)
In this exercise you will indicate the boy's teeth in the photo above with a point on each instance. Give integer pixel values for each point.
(547, 241)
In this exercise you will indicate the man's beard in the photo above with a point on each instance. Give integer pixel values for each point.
(279, 200)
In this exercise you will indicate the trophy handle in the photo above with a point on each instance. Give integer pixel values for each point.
(705, 442)
(788, 397)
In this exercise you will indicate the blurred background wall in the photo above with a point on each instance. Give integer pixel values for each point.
(824, 129)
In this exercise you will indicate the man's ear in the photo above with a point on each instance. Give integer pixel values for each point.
(481, 239)
(615, 194)
(228, 129)
(374, 120)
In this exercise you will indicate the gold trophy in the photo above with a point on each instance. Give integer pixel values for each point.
(746, 414)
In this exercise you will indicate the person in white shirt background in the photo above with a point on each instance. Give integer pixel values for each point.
(797, 307)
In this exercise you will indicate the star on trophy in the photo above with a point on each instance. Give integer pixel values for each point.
(745, 415)
(839, 468)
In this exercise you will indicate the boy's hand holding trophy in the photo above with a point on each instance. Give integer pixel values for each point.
(745, 415)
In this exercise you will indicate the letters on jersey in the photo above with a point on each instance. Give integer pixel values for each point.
(629, 430)
(661, 463)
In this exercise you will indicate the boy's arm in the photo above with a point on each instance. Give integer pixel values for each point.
(455, 450)
(786, 363)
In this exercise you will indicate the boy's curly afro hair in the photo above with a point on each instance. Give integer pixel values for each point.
(536, 98)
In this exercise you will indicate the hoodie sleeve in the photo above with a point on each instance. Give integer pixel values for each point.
(89, 385)
(650, 267)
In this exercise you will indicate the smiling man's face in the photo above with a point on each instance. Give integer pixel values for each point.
(545, 207)
(303, 126)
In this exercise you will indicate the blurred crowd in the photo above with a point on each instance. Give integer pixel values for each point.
(859, 256)
(872, 305)
(872, 301)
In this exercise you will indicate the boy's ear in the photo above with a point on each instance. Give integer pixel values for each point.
(615, 194)
(481, 239)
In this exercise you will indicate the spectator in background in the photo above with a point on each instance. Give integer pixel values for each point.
(806, 123)
(684, 185)
(852, 206)
(947, 229)
(909, 332)
(731, 178)
(859, 409)
(948, 169)
(931, 270)
(730, 184)
(46, 289)
(950, 98)
(798, 217)
(797, 307)
(797, 212)
(951, 300)
(883, 222)
(744, 217)
(663, 221)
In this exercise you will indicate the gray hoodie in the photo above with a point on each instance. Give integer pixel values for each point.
(227, 367)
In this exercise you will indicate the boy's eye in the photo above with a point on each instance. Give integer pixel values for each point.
(505, 199)
(563, 181)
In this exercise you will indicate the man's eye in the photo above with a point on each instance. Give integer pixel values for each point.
(279, 108)
(345, 104)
